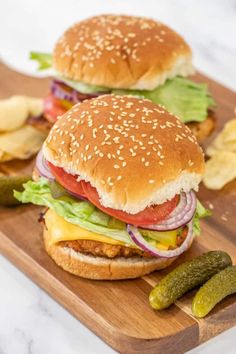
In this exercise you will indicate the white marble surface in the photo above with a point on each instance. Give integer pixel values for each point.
(30, 321)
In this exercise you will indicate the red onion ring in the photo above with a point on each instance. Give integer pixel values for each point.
(143, 244)
(180, 215)
(42, 166)
(60, 91)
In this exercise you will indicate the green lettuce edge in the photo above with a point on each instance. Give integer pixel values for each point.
(44, 60)
(71, 209)
(85, 214)
(201, 212)
(188, 100)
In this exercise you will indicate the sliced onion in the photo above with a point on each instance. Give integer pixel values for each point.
(44, 171)
(179, 216)
(59, 89)
(42, 166)
(142, 243)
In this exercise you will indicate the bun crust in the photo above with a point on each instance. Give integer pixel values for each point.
(100, 268)
(122, 52)
(132, 151)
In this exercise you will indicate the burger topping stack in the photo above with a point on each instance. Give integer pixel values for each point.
(126, 55)
(118, 175)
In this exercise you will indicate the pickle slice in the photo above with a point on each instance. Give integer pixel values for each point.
(216, 289)
(186, 277)
(7, 185)
(57, 190)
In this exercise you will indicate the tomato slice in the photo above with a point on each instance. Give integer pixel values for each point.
(148, 216)
(67, 180)
(53, 108)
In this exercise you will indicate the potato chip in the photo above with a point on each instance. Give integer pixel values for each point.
(13, 113)
(226, 139)
(220, 170)
(20, 144)
(35, 106)
(15, 110)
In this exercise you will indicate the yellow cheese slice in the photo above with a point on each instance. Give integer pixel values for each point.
(161, 246)
(62, 230)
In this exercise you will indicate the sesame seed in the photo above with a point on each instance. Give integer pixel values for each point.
(190, 163)
(116, 139)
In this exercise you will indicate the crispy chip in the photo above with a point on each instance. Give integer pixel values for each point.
(15, 110)
(220, 170)
(226, 139)
(20, 144)
(35, 106)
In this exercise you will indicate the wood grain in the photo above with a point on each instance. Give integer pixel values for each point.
(118, 311)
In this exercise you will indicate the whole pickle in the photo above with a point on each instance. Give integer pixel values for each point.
(186, 277)
(7, 185)
(216, 289)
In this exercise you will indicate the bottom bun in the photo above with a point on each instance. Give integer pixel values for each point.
(203, 129)
(101, 268)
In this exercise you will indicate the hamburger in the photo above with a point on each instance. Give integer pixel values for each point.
(125, 55)
(117, 175)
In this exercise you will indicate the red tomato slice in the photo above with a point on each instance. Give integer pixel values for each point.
(53, 108)
(67, 180)
(148, 216)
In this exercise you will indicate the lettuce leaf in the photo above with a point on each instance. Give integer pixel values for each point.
(186, 99)
(87, 216)
(44, 60)
(201, 212)
(183, 97)
(77, 212)
(81, 86)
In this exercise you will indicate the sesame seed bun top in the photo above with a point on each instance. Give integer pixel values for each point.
(122, 52)
(132, 151)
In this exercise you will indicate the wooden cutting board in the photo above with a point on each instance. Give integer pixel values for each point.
(118, 311)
